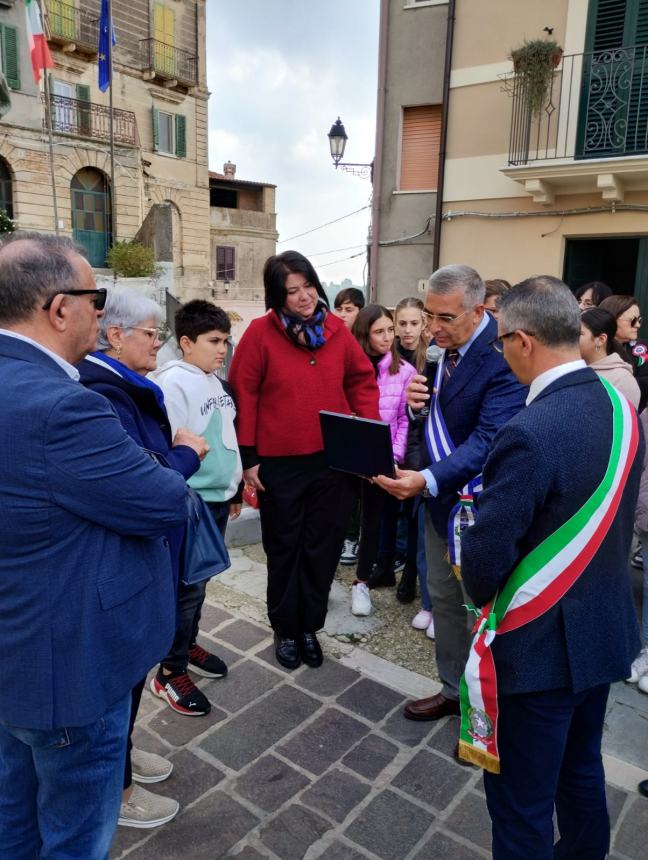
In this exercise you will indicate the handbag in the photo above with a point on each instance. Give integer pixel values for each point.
(204, 553)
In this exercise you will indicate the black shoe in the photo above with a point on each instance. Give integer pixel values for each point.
(310, 650)
(406, 591)
(643, 787)
(287, 652)
(382, 575)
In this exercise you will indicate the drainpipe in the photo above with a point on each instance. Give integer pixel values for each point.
(376, 178)
(444, 134)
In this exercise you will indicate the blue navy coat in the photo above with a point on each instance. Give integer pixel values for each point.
(86, 590)
(545, 463)
(481, 395)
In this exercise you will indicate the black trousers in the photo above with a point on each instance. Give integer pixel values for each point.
(304, 513)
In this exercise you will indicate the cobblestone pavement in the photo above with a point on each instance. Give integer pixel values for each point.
(317, 763)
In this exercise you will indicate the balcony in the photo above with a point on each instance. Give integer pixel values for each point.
(171, 65)
(591, 134)
(72, 29)
(91, 121)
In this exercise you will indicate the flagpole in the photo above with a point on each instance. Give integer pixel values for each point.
(113, 201)
(48, 115)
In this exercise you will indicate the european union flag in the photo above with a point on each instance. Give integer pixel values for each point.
(105, 66)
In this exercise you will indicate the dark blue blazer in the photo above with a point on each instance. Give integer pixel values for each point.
(542, 468)
(86, 589)
(481, 395)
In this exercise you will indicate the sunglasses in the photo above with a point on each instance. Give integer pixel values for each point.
(99, 300)
(636, 321)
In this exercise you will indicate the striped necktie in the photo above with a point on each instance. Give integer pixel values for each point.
(451, 361)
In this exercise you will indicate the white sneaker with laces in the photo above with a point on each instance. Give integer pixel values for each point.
(149, 767)
(422, 619)
(349, 553)
(639, 666)
(145, 809)
(360, 599)
(430, 630)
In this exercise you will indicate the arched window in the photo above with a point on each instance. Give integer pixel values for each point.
(6, 191)
(91, 224)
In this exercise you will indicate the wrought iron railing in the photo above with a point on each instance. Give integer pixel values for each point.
(87, 119)
(69, 24)
(597, 107)
(168, 61)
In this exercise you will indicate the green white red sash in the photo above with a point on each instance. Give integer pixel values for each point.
(538, 582)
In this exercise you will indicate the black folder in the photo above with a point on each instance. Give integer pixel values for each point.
(360, 446)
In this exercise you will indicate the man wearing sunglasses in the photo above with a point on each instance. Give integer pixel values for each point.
(473, 394)
(86, 590)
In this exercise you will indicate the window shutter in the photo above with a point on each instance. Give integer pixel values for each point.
(83, 92)
(608, 25)
(181, 136)
(10, 57)
(420, 148)
(229, 263)
(156, 130)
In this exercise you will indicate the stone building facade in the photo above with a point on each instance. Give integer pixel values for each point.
(160, 128)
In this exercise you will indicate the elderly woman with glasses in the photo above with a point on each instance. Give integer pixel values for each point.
(129, 341)
(627, 314)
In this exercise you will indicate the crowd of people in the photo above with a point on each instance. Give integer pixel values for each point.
(515, 536)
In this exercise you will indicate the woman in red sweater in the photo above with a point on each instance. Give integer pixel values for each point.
(296, 360)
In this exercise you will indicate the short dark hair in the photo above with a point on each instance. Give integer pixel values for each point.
(350, 295)
(34, 272)
(599, 290)
(599, 321)
(617, 305)
(276, 270)
(545, 306)
(198, 317)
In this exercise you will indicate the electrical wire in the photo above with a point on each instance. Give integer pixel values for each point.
(616, 207)
(321, 226)
(335, 251)
(333, 262)
(405, 239)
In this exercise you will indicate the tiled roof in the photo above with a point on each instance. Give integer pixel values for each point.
(232, 180)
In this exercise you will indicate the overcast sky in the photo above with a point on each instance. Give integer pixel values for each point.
(280, 72)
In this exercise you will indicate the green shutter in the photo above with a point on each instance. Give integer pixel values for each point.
(10, 65)
(181, 136)
(83, 92)
(83, 114)
(156, 130)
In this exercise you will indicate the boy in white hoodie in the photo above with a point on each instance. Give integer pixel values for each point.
(196, 398)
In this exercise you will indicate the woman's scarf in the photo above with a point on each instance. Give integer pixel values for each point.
(131, 376)
(306, 332)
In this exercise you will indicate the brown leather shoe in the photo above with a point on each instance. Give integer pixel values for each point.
(431, 709)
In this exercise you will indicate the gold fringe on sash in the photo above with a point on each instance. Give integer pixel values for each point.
(455, 568)
(474, 755)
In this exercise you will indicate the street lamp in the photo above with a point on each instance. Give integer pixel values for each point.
(337, 141)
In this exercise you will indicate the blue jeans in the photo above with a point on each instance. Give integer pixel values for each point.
(644, 614)
(60, 789)
(421, 561)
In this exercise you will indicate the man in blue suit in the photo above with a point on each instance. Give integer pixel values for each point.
(473, 394)
(86, 591)
(576, 629)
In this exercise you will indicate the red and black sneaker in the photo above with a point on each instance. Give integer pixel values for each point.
(181, 694)
(208, 665)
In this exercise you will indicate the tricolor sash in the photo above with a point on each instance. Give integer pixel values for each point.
(440, 446)
(538, 582)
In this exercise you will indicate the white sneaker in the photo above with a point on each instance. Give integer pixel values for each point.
(643, 684)
(145, 809)
(430, 630)
(639, 666)
(422, 619)
(349, 553)
(360, 599)
(149, 767)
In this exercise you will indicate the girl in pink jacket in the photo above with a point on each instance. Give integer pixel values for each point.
(374, 331)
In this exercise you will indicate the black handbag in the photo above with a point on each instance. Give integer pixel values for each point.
(204, 553)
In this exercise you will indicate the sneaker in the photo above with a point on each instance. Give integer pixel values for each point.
(203, 663)
(637, 559)
(422, 619)
(180, 694)
(360, 599)
(430, 630)
(349, 552)
(382, 574)
(145, 809)
(149, 767)
(642, 684)
(639, 666)
(399, 562)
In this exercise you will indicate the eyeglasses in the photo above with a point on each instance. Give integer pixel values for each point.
(498, 342)
(99, 300)
(635, 322)
(445, 319)
(153, 333)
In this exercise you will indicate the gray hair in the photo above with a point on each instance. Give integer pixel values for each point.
(545, 306)
(449, 279)
(34, 267)
(126, 308)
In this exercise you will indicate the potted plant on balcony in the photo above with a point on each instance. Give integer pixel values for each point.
(534, 64)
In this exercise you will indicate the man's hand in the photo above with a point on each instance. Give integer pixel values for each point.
(191, 440)
(251, 476)
(417, 393)
(234, 510)
(406, 484)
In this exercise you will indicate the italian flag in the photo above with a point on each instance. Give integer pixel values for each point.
(38, 49)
